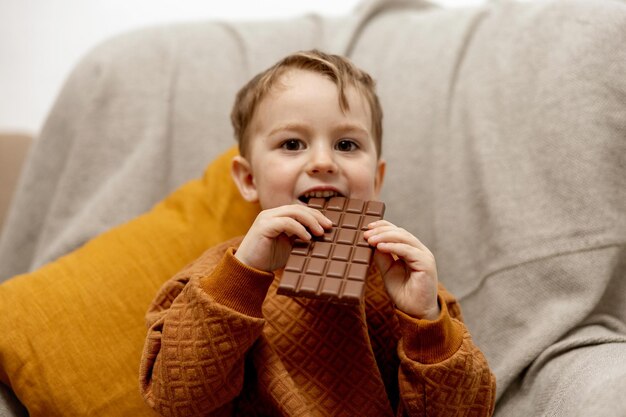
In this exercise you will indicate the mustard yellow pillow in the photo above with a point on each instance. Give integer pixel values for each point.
(72, 332)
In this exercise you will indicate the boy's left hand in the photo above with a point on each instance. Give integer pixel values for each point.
(408, 269)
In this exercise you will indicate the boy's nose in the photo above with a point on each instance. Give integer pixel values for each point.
(322, 162)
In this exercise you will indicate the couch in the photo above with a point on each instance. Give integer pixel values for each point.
(505, 137)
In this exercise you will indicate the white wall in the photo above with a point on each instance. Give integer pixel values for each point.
(41, 40)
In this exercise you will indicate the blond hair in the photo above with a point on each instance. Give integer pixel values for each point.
(338, 69)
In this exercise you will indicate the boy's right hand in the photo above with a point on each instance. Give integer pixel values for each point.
(267, 244)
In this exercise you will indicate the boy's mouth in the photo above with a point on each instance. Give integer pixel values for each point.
(326, 194)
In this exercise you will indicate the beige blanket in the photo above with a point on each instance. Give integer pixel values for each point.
(505, 134)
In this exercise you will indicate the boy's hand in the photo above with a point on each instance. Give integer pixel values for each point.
(408, 269)
(268, 243)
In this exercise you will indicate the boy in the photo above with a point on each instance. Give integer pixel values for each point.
(223, 343)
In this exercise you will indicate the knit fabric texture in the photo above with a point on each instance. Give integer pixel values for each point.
(222, 343)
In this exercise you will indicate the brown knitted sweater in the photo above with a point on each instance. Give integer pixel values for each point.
(222, 343)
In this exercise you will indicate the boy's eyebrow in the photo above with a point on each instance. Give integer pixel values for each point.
(298, 127)
(351, 127)
(301, 127)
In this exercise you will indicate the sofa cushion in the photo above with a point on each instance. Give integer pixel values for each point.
(73, 331)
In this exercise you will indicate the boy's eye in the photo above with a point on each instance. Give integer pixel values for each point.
(292, 145)
(346, 145)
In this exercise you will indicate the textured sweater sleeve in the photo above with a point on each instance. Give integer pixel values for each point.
(201, 325)
(442, 372)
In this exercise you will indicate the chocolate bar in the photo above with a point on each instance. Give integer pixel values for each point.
(334, 266)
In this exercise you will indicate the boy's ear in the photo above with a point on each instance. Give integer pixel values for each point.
(380, 176)
(242, 175)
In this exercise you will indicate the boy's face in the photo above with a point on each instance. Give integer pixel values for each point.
(302, 145)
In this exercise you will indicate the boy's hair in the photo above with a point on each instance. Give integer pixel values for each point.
(335, 67)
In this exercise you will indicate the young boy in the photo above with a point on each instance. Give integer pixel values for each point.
(223, 343)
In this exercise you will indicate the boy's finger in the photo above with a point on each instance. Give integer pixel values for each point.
(309, 217)
(380, 223)
(383, 261)
(406, 252)
(292, 227)
(416, 259)
(393, 234)
(324, 221)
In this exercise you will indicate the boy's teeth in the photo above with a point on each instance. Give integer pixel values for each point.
(321, 194)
